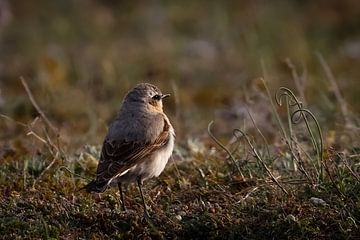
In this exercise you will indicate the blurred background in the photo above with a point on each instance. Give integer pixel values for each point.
(80, 58)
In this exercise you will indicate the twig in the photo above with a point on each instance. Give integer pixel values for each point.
(38, 109)
(247, 195)
(47, 141)
(36, 136)
(45, 170)
(13, 120)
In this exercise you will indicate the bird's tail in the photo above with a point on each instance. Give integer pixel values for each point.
(95, 186)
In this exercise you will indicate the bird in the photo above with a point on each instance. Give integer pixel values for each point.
(139, 142)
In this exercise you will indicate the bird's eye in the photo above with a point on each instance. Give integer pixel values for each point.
(156, 97)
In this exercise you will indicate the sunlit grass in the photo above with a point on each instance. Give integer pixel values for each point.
(206, 195)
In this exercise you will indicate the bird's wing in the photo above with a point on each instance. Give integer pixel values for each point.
(119, 156)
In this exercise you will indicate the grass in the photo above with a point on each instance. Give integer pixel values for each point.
(279, 81)
(205, 195)
(209, 207)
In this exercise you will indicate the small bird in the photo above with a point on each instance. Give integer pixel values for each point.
(138, 144)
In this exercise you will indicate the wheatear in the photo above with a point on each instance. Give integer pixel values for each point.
(138, 144)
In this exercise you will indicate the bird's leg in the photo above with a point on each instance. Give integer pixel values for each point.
(121, 197)
(142, 197)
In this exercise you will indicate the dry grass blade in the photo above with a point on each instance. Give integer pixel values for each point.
(73, 173)
(257, 156)
(281, 126)
(55, 150)
(319, 144)
(13, 120)
(299, 82)
(225, 149)
(342, 156)
(259, 131)
(38, 109)
(335, 88)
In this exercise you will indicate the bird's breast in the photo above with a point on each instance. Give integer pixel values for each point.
(154, 165)
(161, 157)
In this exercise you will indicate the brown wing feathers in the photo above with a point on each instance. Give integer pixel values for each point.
(117, 157)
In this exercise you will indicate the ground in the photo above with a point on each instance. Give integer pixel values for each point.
(264, 101)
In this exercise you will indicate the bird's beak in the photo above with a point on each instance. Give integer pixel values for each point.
(165, 96)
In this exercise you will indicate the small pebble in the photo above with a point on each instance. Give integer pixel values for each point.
(291, 218)
(317, 201)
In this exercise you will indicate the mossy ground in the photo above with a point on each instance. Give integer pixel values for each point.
(190, 200)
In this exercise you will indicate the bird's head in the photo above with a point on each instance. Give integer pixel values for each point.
(148, 95)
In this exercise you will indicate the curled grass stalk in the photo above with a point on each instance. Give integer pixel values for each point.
(291, 135)
(278, 119)
(296, 116)
(319, 145)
